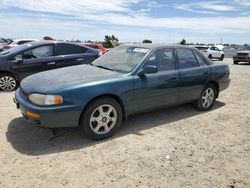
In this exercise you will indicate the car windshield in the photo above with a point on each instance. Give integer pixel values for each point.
(121, 59)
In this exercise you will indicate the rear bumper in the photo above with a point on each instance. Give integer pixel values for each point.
(50, 117)
(224, 84)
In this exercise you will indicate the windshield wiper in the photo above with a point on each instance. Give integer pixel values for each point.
(102, 67)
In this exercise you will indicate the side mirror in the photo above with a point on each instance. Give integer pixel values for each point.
(149, 69)
(18, 58)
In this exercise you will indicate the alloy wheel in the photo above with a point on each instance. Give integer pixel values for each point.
(207, 98)
(7, 83)
(103, 119)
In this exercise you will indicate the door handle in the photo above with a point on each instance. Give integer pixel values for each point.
(81, 59)
(173, 79)
(51, 63)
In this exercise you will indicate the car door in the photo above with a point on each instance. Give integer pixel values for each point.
(32, 61)
(159, 89)
(193, 74)
(218, 52)
(70, 54)
(215, 52)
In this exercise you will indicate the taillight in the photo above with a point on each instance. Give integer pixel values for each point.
(6, 47)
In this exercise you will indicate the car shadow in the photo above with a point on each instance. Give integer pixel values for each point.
(31, 140)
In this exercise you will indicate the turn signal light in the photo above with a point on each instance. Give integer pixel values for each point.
(32, 115)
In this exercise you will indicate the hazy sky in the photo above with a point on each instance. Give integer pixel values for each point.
(130, 20)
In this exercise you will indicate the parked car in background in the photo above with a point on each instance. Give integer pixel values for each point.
(127, 80)
(96, 46)
(18, 42)
(4, 42)
(27, 59)
(242, 56)
(211, 52)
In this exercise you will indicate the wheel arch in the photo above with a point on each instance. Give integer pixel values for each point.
(216, 86)
(113, 96)
(8, 72)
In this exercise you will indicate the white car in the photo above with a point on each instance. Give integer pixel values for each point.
(18, 42)
(211, 52)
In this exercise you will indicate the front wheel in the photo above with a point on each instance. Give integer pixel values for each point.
(221, 57)
(101, 119)
(207, 98)
(236, 62)
(210, 56)
(7, 82)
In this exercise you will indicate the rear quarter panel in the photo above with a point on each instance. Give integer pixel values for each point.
(220, 73)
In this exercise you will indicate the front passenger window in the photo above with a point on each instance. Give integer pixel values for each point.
(43, 51)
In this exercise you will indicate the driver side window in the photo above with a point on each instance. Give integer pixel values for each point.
(43, 51)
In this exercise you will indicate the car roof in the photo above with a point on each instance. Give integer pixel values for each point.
(156, 46)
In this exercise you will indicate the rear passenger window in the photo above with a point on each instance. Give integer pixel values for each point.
(186, 59)
(66, 49)
(199, 58)
(92, 46)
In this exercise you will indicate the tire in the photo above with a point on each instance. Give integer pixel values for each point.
(97, 123)
(210, 56)
(221, 57)
(236, 62)
(8, 82)
(208, 94)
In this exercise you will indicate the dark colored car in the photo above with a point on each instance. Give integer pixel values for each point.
(96, 46)
(242, 56)
(27, 59)
(124, 81)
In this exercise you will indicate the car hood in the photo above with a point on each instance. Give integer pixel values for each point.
(56, 80)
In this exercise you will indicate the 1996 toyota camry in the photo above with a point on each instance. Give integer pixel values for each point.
(126, 80)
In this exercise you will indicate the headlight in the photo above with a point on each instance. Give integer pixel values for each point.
(41, 99)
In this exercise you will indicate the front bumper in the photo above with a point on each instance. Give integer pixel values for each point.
(241, 58)
(48, 116)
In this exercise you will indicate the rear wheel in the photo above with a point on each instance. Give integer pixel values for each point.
(236, 62)
(210, 56)
(207, 98)
(101, 119)
(7, 82)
